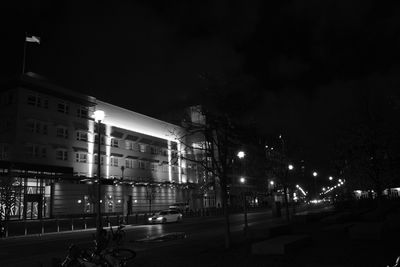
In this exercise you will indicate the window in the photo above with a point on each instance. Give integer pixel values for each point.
(142, 148)
(154, 150)
(114, 142)
(62, 154)
(96, 139)
(81, 136)
(141, 164)
(35, 151)
(37, 101)
(81, 157)
(3, 151)
(63, 107)
(153, 166)
(62, 131)
(82, 112)
(34, 126)
(96, 159)
(130, 145)
(129, 163)
(114, 161)
(43, 152)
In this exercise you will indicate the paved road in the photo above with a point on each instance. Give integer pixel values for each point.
(201, 232)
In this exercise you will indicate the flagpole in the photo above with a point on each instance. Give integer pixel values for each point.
(23, 59)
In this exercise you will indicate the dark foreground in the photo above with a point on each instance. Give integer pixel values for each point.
(334, 238)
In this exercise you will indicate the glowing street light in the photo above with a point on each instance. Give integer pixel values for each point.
(271, 182)
(290, 167)
(241, 154)
(315, 174)
(330, 178)
(242, 180)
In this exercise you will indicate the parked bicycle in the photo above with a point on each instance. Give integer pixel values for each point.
(118, 235)
(100, 255)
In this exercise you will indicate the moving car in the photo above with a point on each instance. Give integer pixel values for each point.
(165, 216)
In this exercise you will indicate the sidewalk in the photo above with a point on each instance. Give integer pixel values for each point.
(327, 248)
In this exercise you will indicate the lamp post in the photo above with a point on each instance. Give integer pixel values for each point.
(242, 180)
(98, 117)
(315, 174)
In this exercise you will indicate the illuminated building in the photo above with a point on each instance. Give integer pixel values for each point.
(48, 148)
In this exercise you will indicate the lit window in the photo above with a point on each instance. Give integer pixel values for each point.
(62, 131)
(81, 136)
(114, 142)
(63, 107)
(114, 161)
(81, 157)
(62, 154)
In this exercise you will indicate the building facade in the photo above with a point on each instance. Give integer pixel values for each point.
(49, 155)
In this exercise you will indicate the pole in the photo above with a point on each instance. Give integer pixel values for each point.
(24, 56)
(245, 214)
(285, 182)
(99, 220)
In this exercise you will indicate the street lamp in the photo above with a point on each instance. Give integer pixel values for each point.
(330, 178)
(290, 167)
(241, 154)
(98, 117)
(243, 181)
(315, 174)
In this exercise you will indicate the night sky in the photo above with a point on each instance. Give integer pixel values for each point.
(309, 62)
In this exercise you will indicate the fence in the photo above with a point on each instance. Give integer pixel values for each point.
(37, 227)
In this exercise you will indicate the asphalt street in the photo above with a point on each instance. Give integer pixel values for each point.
(147, 240)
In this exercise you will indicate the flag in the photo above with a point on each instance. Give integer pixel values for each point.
(33, 39)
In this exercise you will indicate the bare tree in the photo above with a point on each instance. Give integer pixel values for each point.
(368, 150)
(7, 197)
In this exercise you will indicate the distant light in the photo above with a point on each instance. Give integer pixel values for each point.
(330, 178)
(135, 201)
(290, 167)
(323, 188)
(315, 174)
(241, 154)
(242, 180)
(266, 146)
(297, 186)
(272, 148)
(99, 115)
(280, 136)
(119, 200)
(79, 201)
(271, 183)
(340, 180)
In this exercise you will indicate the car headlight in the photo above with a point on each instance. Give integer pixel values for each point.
(150, 219)
(159, 218)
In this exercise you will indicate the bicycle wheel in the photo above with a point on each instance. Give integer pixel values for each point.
(123, 254)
